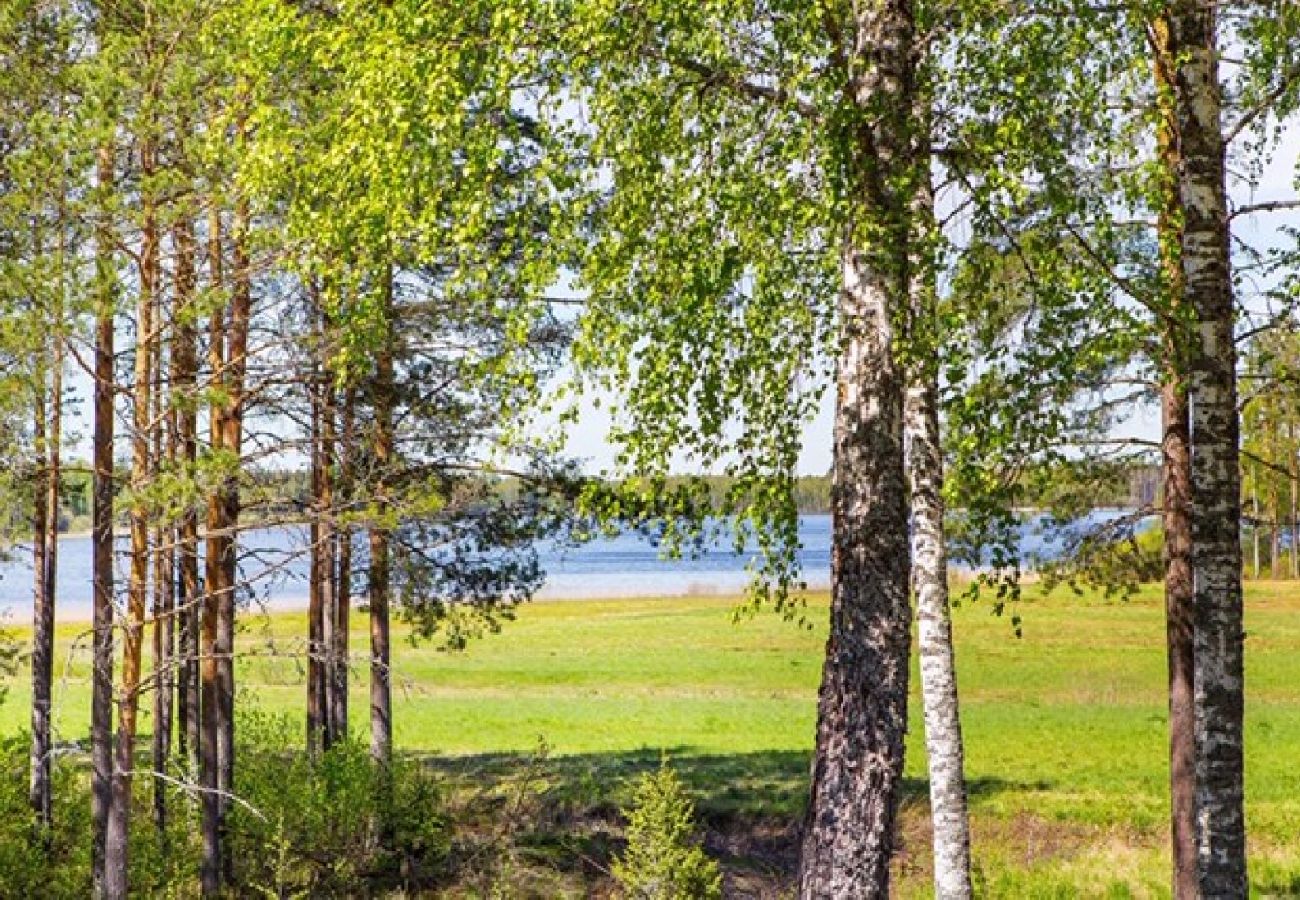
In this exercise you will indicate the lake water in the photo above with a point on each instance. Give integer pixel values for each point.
(626, 565)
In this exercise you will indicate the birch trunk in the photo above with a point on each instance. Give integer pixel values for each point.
(924, 456)
(1216, 478)
(943, 735)
(862, 705)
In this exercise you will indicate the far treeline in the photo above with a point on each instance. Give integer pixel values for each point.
(391, 240)
(1130, 486)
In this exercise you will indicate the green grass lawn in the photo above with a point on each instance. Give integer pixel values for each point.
(1065, 726)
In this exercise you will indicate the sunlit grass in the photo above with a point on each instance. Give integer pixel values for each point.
(1065, 726)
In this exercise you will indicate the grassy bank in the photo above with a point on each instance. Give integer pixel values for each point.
(1065, 728)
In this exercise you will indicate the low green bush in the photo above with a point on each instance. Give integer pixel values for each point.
(663, 860)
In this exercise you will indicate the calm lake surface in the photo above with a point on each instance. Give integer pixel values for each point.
(627, 565)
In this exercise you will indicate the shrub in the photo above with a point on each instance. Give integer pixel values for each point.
(336, 825)
(663, 860)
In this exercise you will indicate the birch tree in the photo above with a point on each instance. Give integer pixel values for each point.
(730, 158)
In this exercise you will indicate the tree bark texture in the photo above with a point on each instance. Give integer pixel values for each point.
(101, 706)
(923, 444)
(1216, 479)
(1176, 460)
(862, 704)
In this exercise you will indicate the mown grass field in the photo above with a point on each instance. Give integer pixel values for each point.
(1065, 730)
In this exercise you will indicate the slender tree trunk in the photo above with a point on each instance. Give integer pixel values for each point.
(329, 571)
(101, 707)
(1180, 607)
(164, 592)
(862, 705)
(381, 692)
(213, 867)
(45, 522)
(117, 840)
(1216, 472)
(315, 597)
(42, 619)
(1180, 611)
(316, 589)
(343, 591)
(924, 455)
(54, 466)
(1295, 502)
(1275, 531)
(184, 365)
(943, 736)
(321, 722)
(232, 443)
(1255, 533)
(45, 546)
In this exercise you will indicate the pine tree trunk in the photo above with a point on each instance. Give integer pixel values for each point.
(53, 480)
(42, 621)
(862, 705)
(381, 693)
(101, 704)
(232, 442)
(47, 433)
(1177, 512)
(924, 454)
(328, 562)
(213, 867)
(316, 577)
(1216, 473)
(119, 819)
(164, 596)
(45, 544)
(343, 591)
(184, 365)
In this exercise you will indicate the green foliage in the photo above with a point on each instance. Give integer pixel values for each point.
(56, 863)
(35, 864)
(332, 826)
(1114, 559)
(663, 860)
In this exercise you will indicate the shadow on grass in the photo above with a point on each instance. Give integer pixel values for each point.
(563, 812)
(765, 783)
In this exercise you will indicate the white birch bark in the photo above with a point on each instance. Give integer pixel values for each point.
(923, 448)
(1216, 478)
